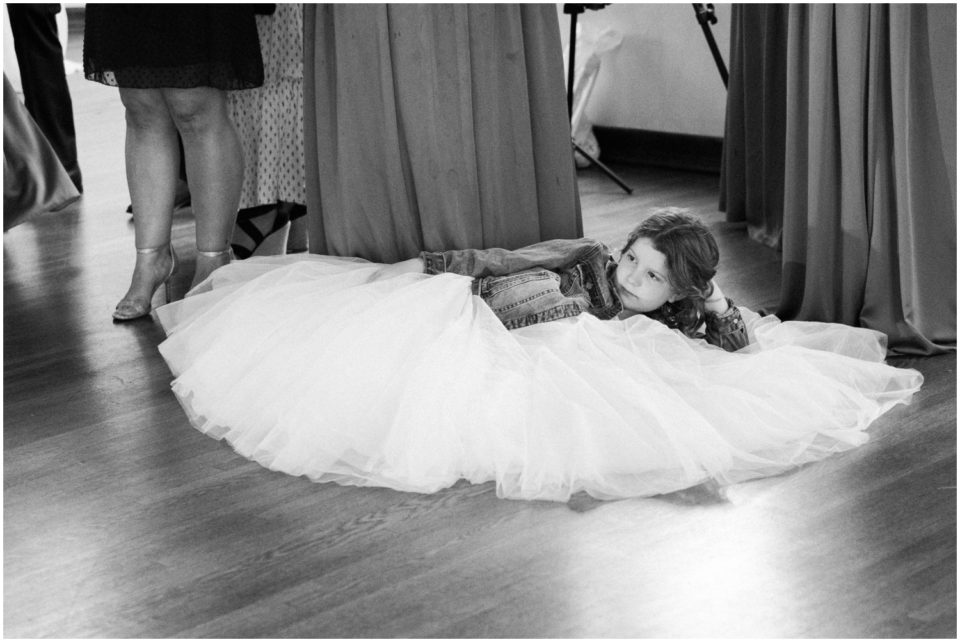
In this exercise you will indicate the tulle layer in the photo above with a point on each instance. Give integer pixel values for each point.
(314, 366)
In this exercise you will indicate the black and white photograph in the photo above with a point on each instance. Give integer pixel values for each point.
(480, 320)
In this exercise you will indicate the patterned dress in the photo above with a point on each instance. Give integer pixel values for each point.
(269, 119)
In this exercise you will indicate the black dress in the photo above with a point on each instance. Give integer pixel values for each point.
(148, 46)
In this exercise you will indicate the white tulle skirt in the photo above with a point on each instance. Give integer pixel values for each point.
(314, 366)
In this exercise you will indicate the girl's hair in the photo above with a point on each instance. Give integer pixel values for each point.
(692, 258)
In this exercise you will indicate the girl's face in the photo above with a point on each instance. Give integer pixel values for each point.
(642, 278)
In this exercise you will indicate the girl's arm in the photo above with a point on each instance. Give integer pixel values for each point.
(725, 326)
(716, 302)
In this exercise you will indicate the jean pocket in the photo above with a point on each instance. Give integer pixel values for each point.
(527, 298)
(504, 293)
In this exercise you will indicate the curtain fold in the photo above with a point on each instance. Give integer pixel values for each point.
(868, 226)
(752, 171)
(34, 179)
(433, 127)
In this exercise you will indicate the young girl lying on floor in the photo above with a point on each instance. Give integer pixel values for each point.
(549, 370)
(665, 271)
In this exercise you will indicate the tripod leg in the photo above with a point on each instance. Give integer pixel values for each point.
(705, 17)
(570, 68)
(570, 62)
(606, 170)
(717, 56)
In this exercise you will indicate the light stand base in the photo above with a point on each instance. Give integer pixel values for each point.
(574, 10)
(606, 170)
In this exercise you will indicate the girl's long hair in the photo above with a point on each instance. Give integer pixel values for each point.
(692, 258)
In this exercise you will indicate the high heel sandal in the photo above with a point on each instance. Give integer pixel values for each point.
(248, 237)
(222, 257)
(131, 308)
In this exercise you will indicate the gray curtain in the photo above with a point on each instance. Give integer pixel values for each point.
(752, 173)
(432, 127)
(34, 179)
(863, 207)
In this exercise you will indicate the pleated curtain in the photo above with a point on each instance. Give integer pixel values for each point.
(433, 127)
(752, 170)
(834, 153)
(34, 179)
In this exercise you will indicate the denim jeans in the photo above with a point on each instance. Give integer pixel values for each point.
(558, 279)
(538, 283)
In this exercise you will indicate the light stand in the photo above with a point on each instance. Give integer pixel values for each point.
(574, 10)
(706, 18)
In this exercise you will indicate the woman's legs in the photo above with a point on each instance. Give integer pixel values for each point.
(214, 161)
(152, 162)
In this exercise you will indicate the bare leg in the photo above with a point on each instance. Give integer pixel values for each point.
(214, 161)
(152, 162)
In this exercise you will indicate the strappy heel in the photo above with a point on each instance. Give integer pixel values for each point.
(260, 230)
(131, 308)
(218, 259)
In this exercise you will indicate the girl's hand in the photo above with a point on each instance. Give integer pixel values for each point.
(716, 301)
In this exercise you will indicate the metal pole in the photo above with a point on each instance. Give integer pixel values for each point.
(570, 62)
(706, 17)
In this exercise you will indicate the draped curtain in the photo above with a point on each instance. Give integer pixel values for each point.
(34, 179)
(433, 127)
(834, 153)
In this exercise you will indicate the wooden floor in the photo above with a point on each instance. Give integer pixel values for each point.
(120, 520)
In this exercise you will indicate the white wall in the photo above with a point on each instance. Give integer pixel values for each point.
(662, 77)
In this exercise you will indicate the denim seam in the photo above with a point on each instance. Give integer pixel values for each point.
(534, 297)
(507, 282)
(558, 312)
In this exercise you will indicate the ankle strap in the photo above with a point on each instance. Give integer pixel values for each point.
(215, 254)
(151, 250)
